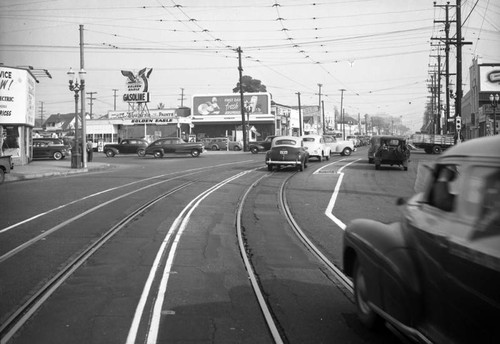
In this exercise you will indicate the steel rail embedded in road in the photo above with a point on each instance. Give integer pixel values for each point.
(339, 275)
(16, 320)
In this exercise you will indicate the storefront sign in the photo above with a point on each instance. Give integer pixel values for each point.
(138, 97)
(17, 96)
(489, 78)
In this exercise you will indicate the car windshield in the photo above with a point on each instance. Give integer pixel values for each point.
(309, 139)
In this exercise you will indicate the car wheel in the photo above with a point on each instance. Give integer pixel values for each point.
(327, 157)
(2, 175)
(437, 150)
(300, 167)
(346, 151)
(370, 160)
(158, 154)
(141, 152)
(195, 153)
(57, 155)
(269, 167)
(405, 168)
(254, 150)
(215, 147)
(365, 313)
(320, 158)
(109, 153)
(237, 148)
(377, 166)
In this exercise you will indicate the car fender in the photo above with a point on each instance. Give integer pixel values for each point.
(393, 277)
(258, 146)
(111, 149)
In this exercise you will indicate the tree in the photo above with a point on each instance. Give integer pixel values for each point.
(250, 85)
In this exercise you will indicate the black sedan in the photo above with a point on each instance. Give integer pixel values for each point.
(287, 151)
(435, 275)
(126, 146)
(50, 149)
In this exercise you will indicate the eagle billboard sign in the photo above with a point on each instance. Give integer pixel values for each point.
(137, 86)
(227, 107)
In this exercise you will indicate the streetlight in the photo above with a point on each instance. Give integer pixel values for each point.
(248, 109)
(494, 103)
(76, 85)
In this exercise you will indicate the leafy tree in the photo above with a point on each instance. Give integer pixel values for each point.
(250, 85)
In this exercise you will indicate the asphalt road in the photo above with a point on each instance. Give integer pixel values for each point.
(174, 272)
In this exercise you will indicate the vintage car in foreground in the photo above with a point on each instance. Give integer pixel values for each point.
(287, 151)
(175, 145)
(435, 275)
(261, 146)
(50, 148)
(126, 146)
(342, 147)
(389, 150)
(315, 145)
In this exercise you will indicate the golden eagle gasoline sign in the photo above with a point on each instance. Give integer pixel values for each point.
(137, 86)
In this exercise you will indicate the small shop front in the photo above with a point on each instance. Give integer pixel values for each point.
(17, 113)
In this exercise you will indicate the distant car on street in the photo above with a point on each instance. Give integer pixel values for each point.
(50, 148)
(389, 150)
(175, 145)
(316, 146)
(435, 275)
(261, 146)
(221, 143)
(287, 151)
(342, 147)
(126, 146)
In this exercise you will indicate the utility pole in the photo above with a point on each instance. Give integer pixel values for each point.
(242, 103)
(300, 116)
(91, 101)
(114, 96)
(319, 105)
(182, 97)
(342, 111)
(438, 91)
(82, 107)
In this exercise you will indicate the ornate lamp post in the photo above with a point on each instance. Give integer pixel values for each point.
(77, 85)
(494, 103)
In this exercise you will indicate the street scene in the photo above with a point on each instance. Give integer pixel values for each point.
(249, 172)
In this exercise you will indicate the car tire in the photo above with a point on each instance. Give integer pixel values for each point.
(320, 158)
(215, 147)
(237, 148)
(254, 150)
(300, 167)
(377, 166)
(57, 155)
(365, 313)
(327, 157)
(370, 160)
(195, 153)
(109, 153)
(158, 154)
(437, 150)
(346, 151)
(269, 167)
(2, 175)
(141, 152)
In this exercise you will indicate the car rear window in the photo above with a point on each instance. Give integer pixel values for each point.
(285, 142)
(309, 139)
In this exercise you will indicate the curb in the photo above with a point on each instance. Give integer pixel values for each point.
(12, 177)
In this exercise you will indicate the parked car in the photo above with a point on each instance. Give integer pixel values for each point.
(343, 147)
(315, 145)
(261, 146)
(50, 148)
(435, 275)
(354, 140)
(126, 146)
(287, 151)
(175, 145)
(389, 150)
(221, 143)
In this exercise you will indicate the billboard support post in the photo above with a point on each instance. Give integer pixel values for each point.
(243, 124)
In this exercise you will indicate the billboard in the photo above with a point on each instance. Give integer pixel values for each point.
(137, 86)
(489, 78)
(17, 96)
(228, 106)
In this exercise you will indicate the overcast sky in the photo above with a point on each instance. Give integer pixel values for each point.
(377, 50)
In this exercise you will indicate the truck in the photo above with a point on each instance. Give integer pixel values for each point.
(432, 143)
(6, 165)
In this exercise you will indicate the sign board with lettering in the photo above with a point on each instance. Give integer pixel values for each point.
(17, 96)
(137, 86)
(227, 107)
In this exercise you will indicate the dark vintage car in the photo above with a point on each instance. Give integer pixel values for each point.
(6, 165)
(174, 145)
(389, 150)
(287, 151)
(126, 146)
(261, 146)
(435, 275)
(50, 148)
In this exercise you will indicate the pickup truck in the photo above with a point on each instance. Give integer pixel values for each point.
(175, 145)
(126, 146)
(6, 165)
(261, 146)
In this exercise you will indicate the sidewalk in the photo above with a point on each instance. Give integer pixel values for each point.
(49, 168)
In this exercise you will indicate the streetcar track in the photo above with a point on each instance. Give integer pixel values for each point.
(23, 313)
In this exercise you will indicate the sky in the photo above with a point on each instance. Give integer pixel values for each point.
(379, 51)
